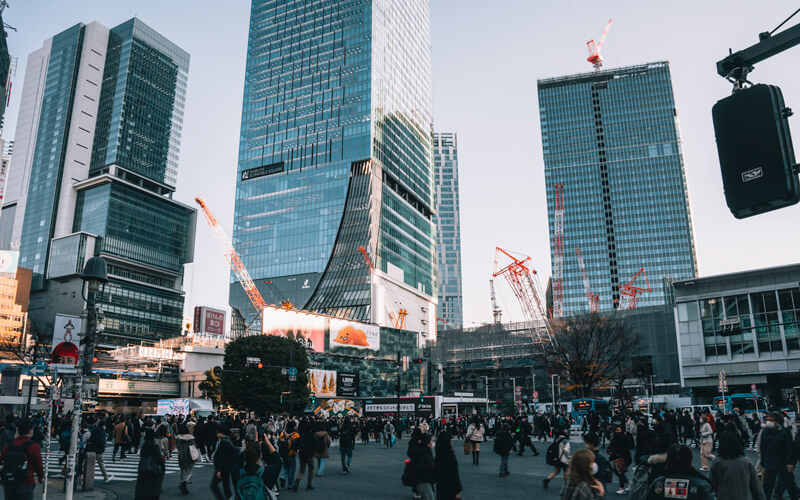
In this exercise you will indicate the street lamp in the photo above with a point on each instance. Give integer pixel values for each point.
(95, 277)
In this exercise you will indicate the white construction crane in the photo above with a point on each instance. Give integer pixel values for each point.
(593, 298)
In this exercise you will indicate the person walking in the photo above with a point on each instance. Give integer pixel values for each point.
(733, 476)
(580, 482)
(448, 484)
(95, 447)
(223, 460)
(305, 456)
(775, 456)
(475, 435)
(185, 442)
(322, 444)
(288, 444)
(561, 459)
(150, 474)
(21, 460)
(503, 443)
(121, 438)
(603, 474)
(347, 441)
(619, 450)
(706, 442)
(424, 467)
(388, 434)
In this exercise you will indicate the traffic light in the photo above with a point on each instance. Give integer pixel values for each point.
(94, 359)
(419, 361)
(313, 400)
(422, 399)
(260, 366)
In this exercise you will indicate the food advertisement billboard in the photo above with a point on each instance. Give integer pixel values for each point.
(354, 335)
(322, 383)
(309, 329)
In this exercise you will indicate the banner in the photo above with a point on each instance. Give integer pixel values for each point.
(66, 339)
(173, 407)
(333, 407)
(306, 328)
(347, 384)
(322, 383)
(355, 335)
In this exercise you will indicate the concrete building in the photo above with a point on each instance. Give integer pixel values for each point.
(764, 349)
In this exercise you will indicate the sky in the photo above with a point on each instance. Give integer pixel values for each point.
(486, 62)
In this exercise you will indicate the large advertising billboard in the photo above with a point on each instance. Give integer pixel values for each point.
(303, 327)
(355, 335)
(208, 320)
(66, 339)
(8, 261)
(347, 384)
(322, 383)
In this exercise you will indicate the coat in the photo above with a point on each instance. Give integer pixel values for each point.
(475, 433)
(422, 460)
(327, 438)
(579, 491)
(149, 486)
(735, 479)
(184, 441)
(120, 431)
(448, 483)
(775, 448)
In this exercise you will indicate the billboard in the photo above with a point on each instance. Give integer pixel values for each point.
(355, 335)
(334, 407)
(173, 406)
(66, 339)
(208, 320)
(8, 261)
(322, 383)
(301, 326)
(347, 384)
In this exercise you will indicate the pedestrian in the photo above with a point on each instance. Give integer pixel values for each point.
(592, 443)
(322, 442)
(288, 444)
(775, 456)
(503, 443)
(733, 476)
(22, 460)
(95, 447)
(423, 466)
(706, 442)
(679, 472)
(388, 434)
(347, 440)
(475, 435)
(150, 474)
(251, 432)
(305, 456)
(223, 460)
(558, 455)
(580, 483)
(619, 450)
(448, 484)
(185, 443)
(272, 464)
(121, 438)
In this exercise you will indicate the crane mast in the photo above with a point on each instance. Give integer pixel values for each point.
(232, 257)
(522, 279)
(594, 48)
(630, 292)
(497, 313)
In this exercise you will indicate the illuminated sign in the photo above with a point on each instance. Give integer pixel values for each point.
(354, 335)
(309, 329)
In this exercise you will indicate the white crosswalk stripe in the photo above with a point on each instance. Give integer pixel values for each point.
(122, 470)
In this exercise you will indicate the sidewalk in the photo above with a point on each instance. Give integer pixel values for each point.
(54, 486)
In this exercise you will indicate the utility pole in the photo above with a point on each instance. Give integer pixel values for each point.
(514, 393)
(399, 367)
(486, 382)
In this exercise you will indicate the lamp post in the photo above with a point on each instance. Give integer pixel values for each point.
(486, 385)
(95, 277)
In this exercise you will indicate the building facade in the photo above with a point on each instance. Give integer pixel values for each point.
(611, 139)
(450, 309)
(335, 155)
(99, 133)
(765, 348)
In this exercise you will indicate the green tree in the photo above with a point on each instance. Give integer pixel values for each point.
(247, 387)
(212, 387)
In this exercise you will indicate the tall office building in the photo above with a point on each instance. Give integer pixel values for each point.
(450, 309)
(336, 154)
(93, 172)
(611, 139)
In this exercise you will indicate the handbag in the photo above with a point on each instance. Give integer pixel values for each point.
(467, 447)
(194, 452)
(620, 465)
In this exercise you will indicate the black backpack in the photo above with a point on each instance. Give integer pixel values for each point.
(346, 438)
(15, 465)
(552, 455)
(283, 448)
(319, 444)
(409, 474)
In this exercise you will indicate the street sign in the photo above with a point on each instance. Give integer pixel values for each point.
(463, 394)
(292, 378)
(284, 371)
(721, 375)
(535, 396)
(39, 369)
(253, 360)
(292, 372)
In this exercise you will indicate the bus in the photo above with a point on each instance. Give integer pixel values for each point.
(582, 407)
(745, 401)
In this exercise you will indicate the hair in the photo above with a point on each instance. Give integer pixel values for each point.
(183, 429)
(252, 453)
(24, 426)
(149, 434)
(444, 448)
(592, 439)
(424, 439)
(679, 459)
(730, 446)
(580, 467)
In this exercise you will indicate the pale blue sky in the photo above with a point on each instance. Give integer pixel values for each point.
(487, 57)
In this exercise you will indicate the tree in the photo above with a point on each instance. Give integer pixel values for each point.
(212, 387)
(591, 352)
(247, 387)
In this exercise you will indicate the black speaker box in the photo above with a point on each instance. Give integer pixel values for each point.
(755, 151)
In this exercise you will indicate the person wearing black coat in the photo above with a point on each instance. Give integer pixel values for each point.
(448, 484)
(150, 475)
(424, 467)
(503, 444)
(223, 460)
(619, 450)
(775, 453)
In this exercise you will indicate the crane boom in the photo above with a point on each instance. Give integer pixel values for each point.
(497, 313)
(522, 280)
(233, 258)
(593, 298)
(594, 48)
(630, 293)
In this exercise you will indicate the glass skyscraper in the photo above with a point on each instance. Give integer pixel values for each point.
(336, 154)
(611, 139)
(100, 126)
(450, 310)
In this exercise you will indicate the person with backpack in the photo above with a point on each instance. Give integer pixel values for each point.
(322, 442)
(95, 447)
(288, 444)
(603, 474)
(347, 441)
(9, 431)
(558, 456)
(251, 484)
(21, 460)
(121, 439)
(680, 480)
(151, 469)
(388, 434)
(503, 443)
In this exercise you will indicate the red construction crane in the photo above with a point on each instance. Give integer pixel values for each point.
(558, 250)
(630, 293)
(399, 319)
(594, 48)
(233, 258)
(522, 279)
(497, 313)
(593, 298)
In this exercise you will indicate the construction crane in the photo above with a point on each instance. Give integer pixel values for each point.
(399, 319)
(630, 292)
(558, 250)
(593, 298)
(497, 313)
(285, 303)
(522, 279)
(233, 258)
(594, 48)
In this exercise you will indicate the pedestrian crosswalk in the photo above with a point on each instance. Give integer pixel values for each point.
(122, 469)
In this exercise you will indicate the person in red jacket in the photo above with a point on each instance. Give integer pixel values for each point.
(33, 453)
